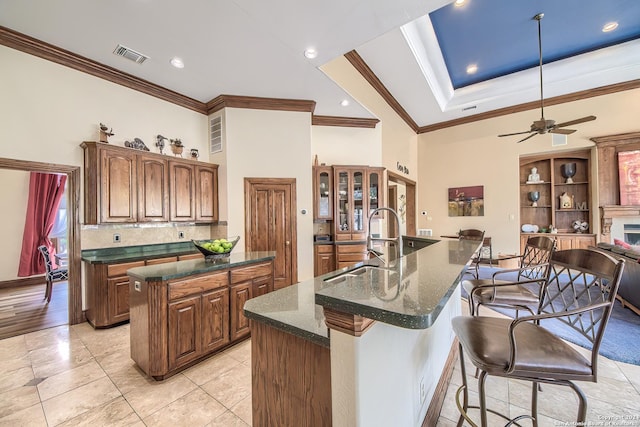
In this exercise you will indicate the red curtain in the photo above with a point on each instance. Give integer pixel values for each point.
(45, 192)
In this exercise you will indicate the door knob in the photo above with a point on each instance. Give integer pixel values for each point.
(287, 243)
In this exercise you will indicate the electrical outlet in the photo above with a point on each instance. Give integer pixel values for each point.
(116, 238)
(423, 391)
(180, 234)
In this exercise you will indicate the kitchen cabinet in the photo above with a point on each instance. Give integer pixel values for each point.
(123, 185)
(324, 259)
(351, 202)
(376, 193)
(561, 199)
(323, 193)
(246, 283)
(350, 254)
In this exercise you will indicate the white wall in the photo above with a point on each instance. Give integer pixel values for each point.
(270, 144)
(347, 146)
(472, 154)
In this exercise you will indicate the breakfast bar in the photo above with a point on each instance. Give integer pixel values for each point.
(370, 344)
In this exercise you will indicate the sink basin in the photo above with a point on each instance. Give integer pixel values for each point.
(368, 273)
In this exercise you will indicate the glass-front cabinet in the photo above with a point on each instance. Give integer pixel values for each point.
(323, 188)
(352, 201)
(376, 191)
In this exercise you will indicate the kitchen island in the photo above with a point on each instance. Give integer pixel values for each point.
(182, 312)
(362, 345)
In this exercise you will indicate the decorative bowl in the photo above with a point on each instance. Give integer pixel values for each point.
(210, 253)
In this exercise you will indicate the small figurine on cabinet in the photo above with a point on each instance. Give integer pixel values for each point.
(160, 142)
(194, 153)
(534, 176)
(105, 133)
(176, 147)
(566, 201)
(553, 229)
(137, 144)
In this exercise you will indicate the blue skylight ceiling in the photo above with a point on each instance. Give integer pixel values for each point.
(501, 37)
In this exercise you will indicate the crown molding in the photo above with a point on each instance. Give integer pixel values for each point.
(570, 97)
(358, 63)
(352, 122)
(257, 103)
(32, 46)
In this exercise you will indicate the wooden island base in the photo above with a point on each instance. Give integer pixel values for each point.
(291, 379)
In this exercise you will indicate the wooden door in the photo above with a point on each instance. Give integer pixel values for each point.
(153, 189)
(206, 193)
(215, 319)
(182, 188)
(118, 202)
(270, 224)
(184, 331)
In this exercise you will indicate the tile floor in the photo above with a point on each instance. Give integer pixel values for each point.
(73, 376)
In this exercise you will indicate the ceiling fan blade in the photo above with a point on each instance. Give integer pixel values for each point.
(530, 136)
(562, 131)
(576, 121)
(516, 133)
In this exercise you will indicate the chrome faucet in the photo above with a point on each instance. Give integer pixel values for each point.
(396, 240)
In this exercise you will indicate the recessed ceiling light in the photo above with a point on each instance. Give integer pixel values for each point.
(610, 26)
(459, 3)
(344, 102)
(310, 53)
(177, 62)
(472, 68)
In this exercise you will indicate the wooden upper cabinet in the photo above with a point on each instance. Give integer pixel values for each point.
(123, 185)
(376, 190)
(153, 189)
(118, 190)
(182, 187)
(351, 203)
(323, 192)
(206, 195)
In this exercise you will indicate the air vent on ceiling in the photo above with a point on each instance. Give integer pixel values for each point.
(215, 139)
(558, 140)
(130, 54)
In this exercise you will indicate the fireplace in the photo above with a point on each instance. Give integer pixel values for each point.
(611, 208)
(632, 234)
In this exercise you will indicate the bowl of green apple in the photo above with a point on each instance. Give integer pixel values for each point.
(216, 248)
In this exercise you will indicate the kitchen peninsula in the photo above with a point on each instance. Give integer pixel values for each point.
(360, 346)
(182, 312)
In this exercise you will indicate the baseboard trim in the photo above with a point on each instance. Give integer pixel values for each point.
(26, 281)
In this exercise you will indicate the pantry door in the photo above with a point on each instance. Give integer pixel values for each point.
(270, 224)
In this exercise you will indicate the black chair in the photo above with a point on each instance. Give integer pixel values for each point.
(517, 294)
(51, 275)
(478, 236)
(580, 291)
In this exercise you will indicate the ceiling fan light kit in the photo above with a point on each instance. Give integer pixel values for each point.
(543, 126)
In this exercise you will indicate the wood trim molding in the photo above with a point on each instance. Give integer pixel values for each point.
(73, 213)
(30, 45)
(22, 281)
(257, 103)
(358, 63)
(570, 97)
(352, 122)
(352, 324)
(433, 412)
(617, 140)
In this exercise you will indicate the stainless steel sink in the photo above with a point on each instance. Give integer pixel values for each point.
(368, 273)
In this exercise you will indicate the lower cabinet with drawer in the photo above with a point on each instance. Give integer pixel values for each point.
(176, 323)
(350, 254)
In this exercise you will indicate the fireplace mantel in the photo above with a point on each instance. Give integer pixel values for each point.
(608, 182)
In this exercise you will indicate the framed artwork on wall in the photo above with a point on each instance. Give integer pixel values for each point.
(629, 172)
(466, 201)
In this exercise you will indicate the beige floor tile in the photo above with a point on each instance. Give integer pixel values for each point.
(495, 387)
(13, 348)
(619, 393)
(32, 416)
(105, 341)
(227, 419)
(115, 413)
(210, 368)
(131, 378)
(599, 411)
(13, 364)
(194, 409)
(631, 373)
(443, 422)
(554, 401)
(52, 360)
(450, 410)
(230, 387)
(543, 421)
(116, 360)
(18, 399)
(243, 410)
(49, 337)
(241, 352)
(69, 380)
(79, 400)
(16, 378)
(147, 399)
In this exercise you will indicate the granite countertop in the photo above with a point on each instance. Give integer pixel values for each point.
(410, 296)
(179, 269)
(137, 253)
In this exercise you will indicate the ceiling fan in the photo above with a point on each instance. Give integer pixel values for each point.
(542, 126)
